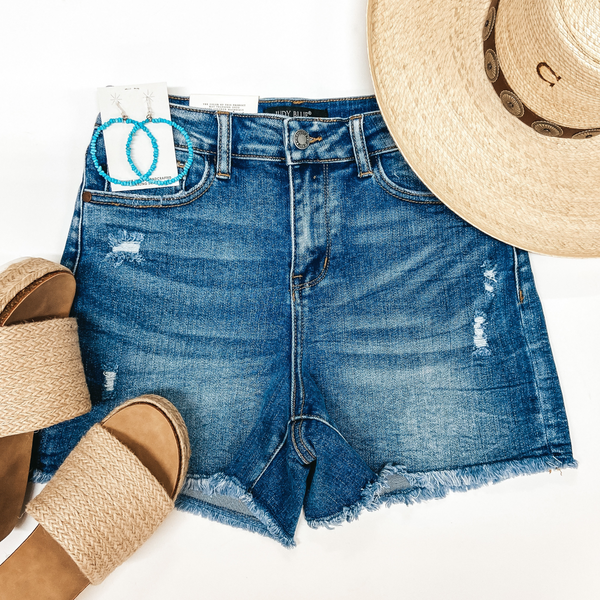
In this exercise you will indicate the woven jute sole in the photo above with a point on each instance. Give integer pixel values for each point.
(149, 428)
(31, 289)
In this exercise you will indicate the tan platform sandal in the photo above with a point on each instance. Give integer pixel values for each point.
(106, 499)
(41, 376)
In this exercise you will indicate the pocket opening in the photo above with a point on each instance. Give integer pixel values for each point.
(394, 175)
(195, 183)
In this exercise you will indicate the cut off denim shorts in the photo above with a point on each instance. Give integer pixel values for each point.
(335, 338)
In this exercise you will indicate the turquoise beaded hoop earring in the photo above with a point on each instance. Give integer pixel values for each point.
(137, 125)
(146, 176)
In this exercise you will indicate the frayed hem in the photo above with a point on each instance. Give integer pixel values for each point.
(258, 521)
(38, 476)
(437, 484)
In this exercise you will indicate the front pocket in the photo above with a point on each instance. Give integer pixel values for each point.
(393, 174)
(196, 182)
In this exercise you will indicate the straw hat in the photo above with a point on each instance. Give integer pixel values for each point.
(495, 104)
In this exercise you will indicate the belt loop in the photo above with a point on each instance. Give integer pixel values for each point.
(361, 154)
(224, 145)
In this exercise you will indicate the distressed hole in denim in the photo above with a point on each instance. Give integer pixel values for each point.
(479, 337)
(109, 380)
(227, 502)
(125, 247)
(395, 482)
(489, 278)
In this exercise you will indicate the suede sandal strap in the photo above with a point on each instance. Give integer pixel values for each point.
(41, 380)
(101, 505)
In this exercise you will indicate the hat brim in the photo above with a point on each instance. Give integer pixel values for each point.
(537, 193)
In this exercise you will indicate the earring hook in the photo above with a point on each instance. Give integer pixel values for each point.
(148, 96)
(117, 100)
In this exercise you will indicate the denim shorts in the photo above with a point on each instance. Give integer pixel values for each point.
(335, 338)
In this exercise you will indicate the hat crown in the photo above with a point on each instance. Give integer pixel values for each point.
(549, 53)
(581, 26)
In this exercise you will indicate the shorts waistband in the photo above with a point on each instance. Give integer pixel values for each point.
(354, 130)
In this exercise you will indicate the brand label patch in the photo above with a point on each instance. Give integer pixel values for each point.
(296, 111)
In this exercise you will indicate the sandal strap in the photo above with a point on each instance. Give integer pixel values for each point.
(41, 376)
(101, 505)
(19, 275)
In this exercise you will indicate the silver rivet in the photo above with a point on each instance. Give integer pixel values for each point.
(489, 23)
(301, 139)
(512, 103)
(492, 66)
(587, 134)
(548, 129)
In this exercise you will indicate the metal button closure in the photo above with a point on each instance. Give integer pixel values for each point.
(301, 139)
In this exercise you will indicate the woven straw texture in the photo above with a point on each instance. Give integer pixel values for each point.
(531, 191)
(101, 505)
(19, 275)
(527, 31)
(42, 380)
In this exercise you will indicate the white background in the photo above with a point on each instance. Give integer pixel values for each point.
(528, 538)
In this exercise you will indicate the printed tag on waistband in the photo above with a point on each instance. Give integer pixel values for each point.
(234, 104)
(137, 101)
(296, 111)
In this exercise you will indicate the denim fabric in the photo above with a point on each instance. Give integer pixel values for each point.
(334, 337)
